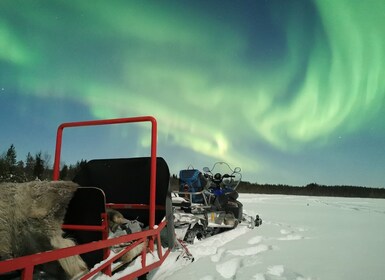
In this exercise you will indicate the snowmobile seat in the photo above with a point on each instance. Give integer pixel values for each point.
(87, 208)
(127, 181)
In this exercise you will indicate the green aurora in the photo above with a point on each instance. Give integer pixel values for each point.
(226, 81)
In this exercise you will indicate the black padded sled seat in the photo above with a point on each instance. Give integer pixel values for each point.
(86, 208)
(127, 181)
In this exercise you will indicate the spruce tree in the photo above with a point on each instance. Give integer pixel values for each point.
(29, 166)
(38, 169)
(8, 165)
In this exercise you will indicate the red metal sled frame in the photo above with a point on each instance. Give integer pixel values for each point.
(27, 263)
(116, 121)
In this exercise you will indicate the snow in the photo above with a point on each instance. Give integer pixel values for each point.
(300, 238)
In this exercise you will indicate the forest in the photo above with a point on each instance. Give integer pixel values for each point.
(38, 167)
(35, 167)
(311, 189)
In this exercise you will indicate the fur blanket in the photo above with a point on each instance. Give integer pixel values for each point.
(31, 215)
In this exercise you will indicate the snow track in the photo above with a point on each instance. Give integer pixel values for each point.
(301, 238)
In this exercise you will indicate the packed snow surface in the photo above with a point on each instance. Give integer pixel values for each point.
(301, 238)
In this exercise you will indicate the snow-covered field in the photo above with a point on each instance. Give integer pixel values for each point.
(300, 238)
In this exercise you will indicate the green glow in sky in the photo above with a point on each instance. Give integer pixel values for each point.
(211, 75)
(342, 87)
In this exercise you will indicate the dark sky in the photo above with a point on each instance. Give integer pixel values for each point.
(293, 92)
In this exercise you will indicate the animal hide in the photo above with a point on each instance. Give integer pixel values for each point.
(31, 215)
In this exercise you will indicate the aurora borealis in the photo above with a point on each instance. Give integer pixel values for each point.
(293, 92)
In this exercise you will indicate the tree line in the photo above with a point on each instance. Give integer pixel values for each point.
(312, 189)
(35, 167)
(38, 166)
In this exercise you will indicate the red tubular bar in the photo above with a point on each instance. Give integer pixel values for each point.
(28, 262)
(56, 167)
(83, 227)
(132, 206)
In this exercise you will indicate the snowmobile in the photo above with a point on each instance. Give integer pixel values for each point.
(207, 203)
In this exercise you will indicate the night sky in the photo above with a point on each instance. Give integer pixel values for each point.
(293, 92)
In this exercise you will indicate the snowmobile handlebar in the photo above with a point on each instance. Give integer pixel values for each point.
(222, 175)
(218, 176)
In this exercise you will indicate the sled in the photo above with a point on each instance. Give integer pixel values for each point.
(139, 187)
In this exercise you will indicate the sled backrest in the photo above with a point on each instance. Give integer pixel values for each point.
(127, 181)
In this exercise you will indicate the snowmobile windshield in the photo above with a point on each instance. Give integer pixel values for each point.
(226, 177)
